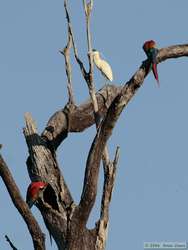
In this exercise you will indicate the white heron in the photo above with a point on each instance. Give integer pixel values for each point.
(102, 65)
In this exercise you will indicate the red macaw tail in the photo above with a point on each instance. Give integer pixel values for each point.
(154, 69)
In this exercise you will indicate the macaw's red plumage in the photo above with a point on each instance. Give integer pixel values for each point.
(34, 191)
(151, 51)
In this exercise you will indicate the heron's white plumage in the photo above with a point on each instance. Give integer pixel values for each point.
(102, 65)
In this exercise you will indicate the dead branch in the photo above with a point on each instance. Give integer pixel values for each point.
(10, 243)
(70, 31)
(33, 227)
(66, 53)
(82, 117)
(93, 162)
(109, 179)
(42, 165)
(79, 119)
(91, 86)
(130, 88)
(65, 220)
(90, 79)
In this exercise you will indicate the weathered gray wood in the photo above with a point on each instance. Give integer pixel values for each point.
(65, 220)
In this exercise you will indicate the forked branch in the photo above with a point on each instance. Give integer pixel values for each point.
(118, 104)
(70, 31)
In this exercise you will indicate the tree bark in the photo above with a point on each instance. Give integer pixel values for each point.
(66, 220)
(33, 227)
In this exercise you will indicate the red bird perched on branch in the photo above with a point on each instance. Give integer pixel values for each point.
(34, 192)
(151, 51)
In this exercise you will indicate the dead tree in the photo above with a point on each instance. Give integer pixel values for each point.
(65, 220)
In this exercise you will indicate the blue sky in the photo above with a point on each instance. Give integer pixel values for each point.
(150, 196)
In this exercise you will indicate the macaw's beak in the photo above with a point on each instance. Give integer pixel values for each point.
(30, 203)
